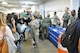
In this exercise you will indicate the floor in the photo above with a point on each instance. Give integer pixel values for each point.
(43, 47)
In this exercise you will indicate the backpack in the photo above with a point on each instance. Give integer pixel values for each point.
(69, 38)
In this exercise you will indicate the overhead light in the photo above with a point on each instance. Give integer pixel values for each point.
(9, 5)
(25, 6)
(27, 2)
(4, 3)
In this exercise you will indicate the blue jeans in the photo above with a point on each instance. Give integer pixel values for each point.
(19, 46)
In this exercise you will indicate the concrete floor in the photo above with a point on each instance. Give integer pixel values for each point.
(43, 47)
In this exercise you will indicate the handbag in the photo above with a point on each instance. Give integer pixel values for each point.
(3, 46)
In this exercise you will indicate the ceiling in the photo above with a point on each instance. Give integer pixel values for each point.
(9, 4)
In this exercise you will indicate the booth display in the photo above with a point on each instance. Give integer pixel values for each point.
(55, 34)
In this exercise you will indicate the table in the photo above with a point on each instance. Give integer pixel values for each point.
(54, 33)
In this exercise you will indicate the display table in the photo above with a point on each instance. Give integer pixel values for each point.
(55, 34)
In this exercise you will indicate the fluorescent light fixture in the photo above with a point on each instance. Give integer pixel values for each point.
(28, 2)
(4, 3)
(10, 5)
(25, 6)
(33, 9)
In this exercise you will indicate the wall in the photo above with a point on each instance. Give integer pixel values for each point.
(35, 8)
(56, 5)
(79, 3)
(42, 10)
(75, 4)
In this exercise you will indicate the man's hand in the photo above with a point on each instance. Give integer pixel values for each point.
(62, 18)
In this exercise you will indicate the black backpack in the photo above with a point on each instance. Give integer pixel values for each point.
(69, 38)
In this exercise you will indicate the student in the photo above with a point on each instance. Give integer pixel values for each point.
(46, 23)
(12, 26)
(5, 30)
(21, 27)
(24, 14)
(66, 17)
(20, 23)
(72, 17)
(35, 30)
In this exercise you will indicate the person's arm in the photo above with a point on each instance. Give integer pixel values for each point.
(50, 22)
(68, 17)
(63, 18)
(79, 46)
(9, 33)
(69, 22)
(37, 23)
(14, 27)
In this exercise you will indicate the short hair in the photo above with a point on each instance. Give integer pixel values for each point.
(19, 15)
(48, 15)
(13, 13)
(73, 11)
(55, 12)
(67, 8)
(24, 11)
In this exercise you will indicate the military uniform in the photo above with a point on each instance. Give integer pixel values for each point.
(35, 30)
(66, 17)
(72, 19)
(46, 22)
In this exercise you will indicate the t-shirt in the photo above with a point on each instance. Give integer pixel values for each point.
(56, 20)
(24, 14)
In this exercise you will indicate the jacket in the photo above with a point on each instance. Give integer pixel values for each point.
(46, 22)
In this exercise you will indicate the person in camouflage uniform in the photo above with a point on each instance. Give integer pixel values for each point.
(66, 18)
(46, 23)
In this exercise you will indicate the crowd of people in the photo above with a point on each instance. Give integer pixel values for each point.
(15, 27)
(24, 22)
